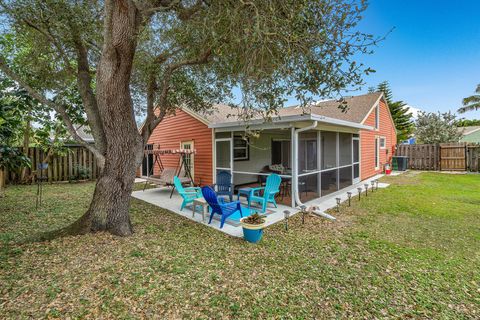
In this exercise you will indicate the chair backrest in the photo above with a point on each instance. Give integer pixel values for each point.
(224, 181)
(210, 196)
(273, 183)
(168, 174)
(178, 184)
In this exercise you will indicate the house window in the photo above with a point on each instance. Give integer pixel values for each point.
(189, 158)
(382, 143)
(377, 116)
(377, 153)
(241, 147)
(281, 152)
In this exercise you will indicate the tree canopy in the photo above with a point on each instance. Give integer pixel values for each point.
(153, 56)
(472, 102)
(400, 113)
(436, 128)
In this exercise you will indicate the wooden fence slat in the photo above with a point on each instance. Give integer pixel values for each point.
(448, 156)
(60, 168)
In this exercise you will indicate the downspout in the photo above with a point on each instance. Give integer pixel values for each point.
(295, 171)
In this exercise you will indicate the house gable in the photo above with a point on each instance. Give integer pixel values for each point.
(386, 130)
(183, 127)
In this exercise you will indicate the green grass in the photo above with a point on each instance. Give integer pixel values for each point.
(409, 251)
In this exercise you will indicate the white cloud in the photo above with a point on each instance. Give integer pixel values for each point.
(413, 110)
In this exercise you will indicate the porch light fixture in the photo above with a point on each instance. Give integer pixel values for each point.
(304, 212)
(349, 195)
(359, 192)
(366, 189)
(338, 204)
(287, 216)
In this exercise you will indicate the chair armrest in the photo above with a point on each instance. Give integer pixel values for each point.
(230, 205)
(253, 190)
(192, 189)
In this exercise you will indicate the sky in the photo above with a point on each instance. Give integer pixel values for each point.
(432, 57)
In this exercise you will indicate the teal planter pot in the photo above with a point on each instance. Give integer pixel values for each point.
(252, 232)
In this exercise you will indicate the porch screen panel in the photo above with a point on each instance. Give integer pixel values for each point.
(345, 149)
(329, 181)
(329, 150)
(223, 154)
(356, 171)
(307, 152)
(345, 177)
(308, 187)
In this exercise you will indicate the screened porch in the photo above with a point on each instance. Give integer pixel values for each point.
(314, 160)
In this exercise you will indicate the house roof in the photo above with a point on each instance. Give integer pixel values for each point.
(468, 130)
(84, 132)
(357, 109)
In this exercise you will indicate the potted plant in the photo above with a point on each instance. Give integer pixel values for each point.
(253, 227)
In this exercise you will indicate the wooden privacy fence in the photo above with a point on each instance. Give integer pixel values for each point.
(420, 156)
(444, 156)
(78, 164)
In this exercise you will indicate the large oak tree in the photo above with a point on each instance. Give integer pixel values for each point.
(152, 56)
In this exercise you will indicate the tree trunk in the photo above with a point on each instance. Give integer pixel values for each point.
(26, 144)
(2, 182)
(109, 209)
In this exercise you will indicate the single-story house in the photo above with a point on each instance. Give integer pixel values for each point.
(318, 150)
(470, 134)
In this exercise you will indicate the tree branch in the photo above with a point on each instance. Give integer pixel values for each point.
(84, 80)
(58, 108)
(152, 121)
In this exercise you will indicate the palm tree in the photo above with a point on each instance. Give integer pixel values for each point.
(471, 103)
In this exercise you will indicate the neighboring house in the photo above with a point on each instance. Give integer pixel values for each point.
(470, 134)
(319, 150)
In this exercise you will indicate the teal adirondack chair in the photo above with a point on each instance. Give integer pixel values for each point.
(272, 187)
(188, 194)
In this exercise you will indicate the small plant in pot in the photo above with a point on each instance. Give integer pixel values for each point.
(253, 227)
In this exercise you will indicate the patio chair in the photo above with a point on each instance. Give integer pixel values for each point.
(188, 194)
(218, 206)
(272, 187)
(224, 185)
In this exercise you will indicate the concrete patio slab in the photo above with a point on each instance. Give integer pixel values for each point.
(161, 197)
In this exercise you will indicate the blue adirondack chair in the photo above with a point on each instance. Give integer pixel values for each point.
(188, 194)
(224, 185)
(272, 187)
(218, 206)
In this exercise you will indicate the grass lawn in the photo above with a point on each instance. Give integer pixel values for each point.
(411, 250)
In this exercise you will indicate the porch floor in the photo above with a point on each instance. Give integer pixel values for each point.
(161, 197)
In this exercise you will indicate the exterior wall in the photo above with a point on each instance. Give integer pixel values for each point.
(260, 156)
(473, 137)
(367, 142)
(182, 127)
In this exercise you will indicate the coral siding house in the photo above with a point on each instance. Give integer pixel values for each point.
(320, 149)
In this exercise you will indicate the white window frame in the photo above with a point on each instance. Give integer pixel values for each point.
(246, 148)
(377, 153)
(384, 143)
(377, 116)
(192, 156)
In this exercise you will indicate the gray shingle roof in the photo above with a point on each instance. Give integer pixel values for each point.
(357, 109)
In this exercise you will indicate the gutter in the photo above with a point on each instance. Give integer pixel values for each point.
(295, 172)
(292, 118)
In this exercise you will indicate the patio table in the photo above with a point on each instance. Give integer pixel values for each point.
(202, 203)
(246, 192)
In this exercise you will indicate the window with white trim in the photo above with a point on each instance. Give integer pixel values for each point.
(377, 116)
(383, 142)
(240, 148)
(377, 153)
